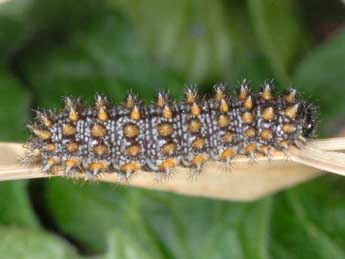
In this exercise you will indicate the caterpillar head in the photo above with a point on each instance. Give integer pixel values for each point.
(309, 120)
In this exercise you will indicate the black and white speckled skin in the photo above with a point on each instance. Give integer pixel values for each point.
(187, 147)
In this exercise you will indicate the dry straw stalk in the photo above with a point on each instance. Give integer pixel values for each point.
(247, 181)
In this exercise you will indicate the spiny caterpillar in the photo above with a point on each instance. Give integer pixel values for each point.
(159, 136)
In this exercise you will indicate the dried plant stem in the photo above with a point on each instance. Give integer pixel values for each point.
(247, 181)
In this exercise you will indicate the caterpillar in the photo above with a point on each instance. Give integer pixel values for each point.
(158, 136)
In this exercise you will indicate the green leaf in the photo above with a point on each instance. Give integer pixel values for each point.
(15, 208)
(280, 34)
(310, 221)
(191, 36)
(21, 243)
(98, 60)
(322, 74)
(168, 225)
(98, 210)
(12, 26)
(61, 16)
(247, 60)
(124, 246)
(14, 108)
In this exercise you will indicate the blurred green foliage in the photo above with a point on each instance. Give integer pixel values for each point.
(55, 48)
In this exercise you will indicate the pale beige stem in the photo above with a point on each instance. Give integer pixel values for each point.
(311, 155)
(247, 181)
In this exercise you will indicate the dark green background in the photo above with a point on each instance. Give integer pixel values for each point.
(49, 49)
